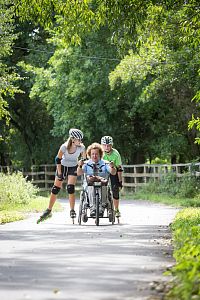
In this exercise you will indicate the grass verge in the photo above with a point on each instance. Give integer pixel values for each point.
(164, 198)
(185, 284)
(186, 241)
(15, 212)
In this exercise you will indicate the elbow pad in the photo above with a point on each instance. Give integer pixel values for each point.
(57, 160)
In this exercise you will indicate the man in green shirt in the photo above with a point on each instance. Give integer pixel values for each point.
(111, 154)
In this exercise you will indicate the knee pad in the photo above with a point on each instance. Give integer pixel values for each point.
(115, 191)
(70, 188)
(55, 190)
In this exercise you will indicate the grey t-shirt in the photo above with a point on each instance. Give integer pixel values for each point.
(71, 159)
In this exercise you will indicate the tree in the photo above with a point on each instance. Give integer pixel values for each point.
(75, 86)
(165, 73)
(7, 75)
(27, 138)
(152, 87)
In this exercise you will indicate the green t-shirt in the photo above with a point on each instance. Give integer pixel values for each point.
(113, 156)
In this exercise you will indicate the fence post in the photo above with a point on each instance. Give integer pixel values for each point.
(45, 177)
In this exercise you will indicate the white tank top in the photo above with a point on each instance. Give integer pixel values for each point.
(71, 159)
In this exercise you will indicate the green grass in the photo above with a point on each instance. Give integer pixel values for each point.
(16, 211)
(186, 242)
(164, 198)
(185, 274)
(19, 197)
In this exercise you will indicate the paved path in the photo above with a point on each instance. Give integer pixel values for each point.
(58, 260)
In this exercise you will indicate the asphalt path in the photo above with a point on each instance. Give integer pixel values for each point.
(58, 260)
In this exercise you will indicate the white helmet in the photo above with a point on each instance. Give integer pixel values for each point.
(75, 133)
(107, 140)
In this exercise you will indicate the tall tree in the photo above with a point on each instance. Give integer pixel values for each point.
(27, 137)
(7, 75)
(152, 86)
(75, 86)
(165, 72)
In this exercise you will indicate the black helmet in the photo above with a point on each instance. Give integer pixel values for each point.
(107, 140)
(75, 133)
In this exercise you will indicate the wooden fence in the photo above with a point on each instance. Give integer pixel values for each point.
(134, 176)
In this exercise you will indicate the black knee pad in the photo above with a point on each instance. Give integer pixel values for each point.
(71, 188)
(55, 190)
(115, 191)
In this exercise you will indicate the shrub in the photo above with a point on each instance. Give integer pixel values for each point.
(186, 272)
(185, 186)
(15, 189)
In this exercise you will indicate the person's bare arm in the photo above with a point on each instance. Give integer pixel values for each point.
(79, 168)
(119, 173)
(113, 170)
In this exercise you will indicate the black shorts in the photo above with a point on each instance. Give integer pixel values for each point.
(114, 179)
(68, 171)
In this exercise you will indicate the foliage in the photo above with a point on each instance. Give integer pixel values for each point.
(8, 75)
(149, 106)
(15, 211)
(195, 121)
(19, 197)
(73, 19)
(164, 72)
(165, 198)
(26, 138)
(78, 80)
(186, 239)
(6, 217)
(186, 186)
(158, 160)
(15, 189)
(76, 19)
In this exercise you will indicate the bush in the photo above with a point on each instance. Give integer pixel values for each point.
(15, 189)
(186, 272)
(185, 186)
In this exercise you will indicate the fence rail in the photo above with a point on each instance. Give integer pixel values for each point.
(134, 176)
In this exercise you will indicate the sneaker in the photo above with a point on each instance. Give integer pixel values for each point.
(117, 213)
(72, 213)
